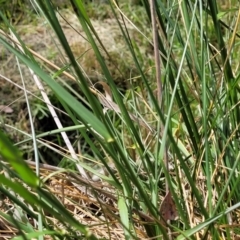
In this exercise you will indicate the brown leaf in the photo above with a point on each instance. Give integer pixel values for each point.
(5, 109)
(107, 101)
(168, 209)
(107, 90)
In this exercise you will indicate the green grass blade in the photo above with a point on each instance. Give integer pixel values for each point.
(85, 115)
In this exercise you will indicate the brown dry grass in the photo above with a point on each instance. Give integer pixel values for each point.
(98, 211)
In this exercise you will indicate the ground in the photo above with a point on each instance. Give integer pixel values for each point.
(38, 36)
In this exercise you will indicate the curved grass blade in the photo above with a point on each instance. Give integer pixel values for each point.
(13, 156)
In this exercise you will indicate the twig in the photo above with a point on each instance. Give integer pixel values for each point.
(158, 77)
(159, 87)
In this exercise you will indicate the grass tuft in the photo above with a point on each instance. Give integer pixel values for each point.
(130, 121)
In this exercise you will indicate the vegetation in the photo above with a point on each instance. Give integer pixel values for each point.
(142, 135)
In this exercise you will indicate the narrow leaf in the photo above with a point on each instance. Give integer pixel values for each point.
(12, 155)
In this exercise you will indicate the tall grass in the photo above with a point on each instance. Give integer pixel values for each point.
(168, 148)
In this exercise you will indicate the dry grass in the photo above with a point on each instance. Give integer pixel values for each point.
(94, 205)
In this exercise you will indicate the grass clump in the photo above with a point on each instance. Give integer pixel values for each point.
(158, 158)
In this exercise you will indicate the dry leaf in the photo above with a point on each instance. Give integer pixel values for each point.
(107, 90)
(107, 101)
(5, 109)
(168, 209)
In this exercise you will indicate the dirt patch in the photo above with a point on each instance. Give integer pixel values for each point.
(40, 38)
